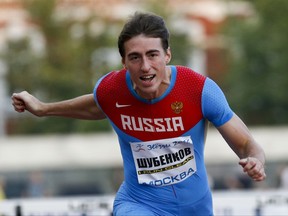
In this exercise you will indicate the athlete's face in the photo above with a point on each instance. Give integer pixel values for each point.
(146, 61)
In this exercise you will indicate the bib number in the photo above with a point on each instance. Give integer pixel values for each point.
(164, 162)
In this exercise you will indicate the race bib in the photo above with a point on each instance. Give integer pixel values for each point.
(164, 162)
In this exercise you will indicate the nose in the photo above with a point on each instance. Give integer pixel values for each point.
(145, 67)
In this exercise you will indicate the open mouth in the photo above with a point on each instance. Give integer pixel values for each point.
(147, 78)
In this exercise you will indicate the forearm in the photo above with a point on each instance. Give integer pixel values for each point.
(251, 155)
(83, 107)
(241, 141)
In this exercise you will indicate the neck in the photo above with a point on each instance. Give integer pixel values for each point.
(161, 89)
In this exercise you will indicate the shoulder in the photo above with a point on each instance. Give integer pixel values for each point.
(112, 79)
(189, 79)
(189, 74)
(215, 107)
(110, 83)
(187, 70)
(113, 76)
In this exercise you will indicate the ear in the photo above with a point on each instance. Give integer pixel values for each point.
(123, 63)
(168, 56)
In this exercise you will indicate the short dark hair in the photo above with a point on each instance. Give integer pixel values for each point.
(148, 24)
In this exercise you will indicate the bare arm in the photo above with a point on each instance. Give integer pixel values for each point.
(83, 107)
(252, 157)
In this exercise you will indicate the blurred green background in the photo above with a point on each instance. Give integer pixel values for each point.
(77, 52)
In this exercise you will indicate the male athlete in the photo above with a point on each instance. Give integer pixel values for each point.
(160, 114)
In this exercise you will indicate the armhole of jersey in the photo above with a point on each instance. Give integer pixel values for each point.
(215, 107)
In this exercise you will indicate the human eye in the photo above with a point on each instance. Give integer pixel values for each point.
(133, 57)
(153, 55)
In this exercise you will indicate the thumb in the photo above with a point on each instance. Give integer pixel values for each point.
(244, 161)
(15, 95)
(18, 96)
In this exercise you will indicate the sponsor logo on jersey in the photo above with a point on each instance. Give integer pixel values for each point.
(122, 105)
(133, 123)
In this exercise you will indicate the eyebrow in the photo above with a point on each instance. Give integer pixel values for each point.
(148, 52)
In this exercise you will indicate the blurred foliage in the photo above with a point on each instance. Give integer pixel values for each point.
(71, 62)
(63, 71)
(257, 79)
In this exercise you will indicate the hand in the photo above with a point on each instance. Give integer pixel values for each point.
(24, 101)
(253, 167)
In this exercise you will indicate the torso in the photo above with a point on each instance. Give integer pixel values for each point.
(176, 115)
